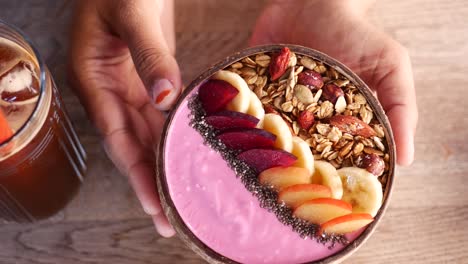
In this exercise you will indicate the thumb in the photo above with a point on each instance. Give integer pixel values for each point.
(139, 25)
(393, 81)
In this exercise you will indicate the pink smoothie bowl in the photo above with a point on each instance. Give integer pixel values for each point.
(213, 212)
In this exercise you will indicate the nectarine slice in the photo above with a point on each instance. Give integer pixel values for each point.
(215, 95)
(230, 119)
(247, 138)
(296, 195)
(262, 159)
(347, 223)
(282, 177)
(321, 210)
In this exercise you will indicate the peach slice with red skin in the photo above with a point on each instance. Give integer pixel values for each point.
(262, 159)
(294, 196)
(229, 119)
(283, 177)
(321, 210)
(346, 223)
(215, 95)
(247, 138)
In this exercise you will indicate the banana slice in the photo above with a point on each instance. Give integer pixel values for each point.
(327, 175)
(361, 189)
(275, 124)
(305, 158)
(241, 102)
(256, 108)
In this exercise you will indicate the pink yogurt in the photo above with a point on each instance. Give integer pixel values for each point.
(218, 209)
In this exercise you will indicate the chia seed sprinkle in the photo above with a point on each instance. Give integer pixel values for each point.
(266, 195)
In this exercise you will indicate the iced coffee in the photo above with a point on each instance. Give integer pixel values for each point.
(42, 162)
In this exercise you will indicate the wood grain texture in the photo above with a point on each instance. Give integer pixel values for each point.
(118, 241)
(426, 219)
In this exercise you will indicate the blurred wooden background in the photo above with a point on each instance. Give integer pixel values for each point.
(428, 214)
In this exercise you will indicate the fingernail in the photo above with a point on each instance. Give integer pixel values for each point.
(162, 226)
(150, 209)
(163, 94)
(405, 150)
(410, 150)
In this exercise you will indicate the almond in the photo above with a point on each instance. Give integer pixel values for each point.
(279, 63)
(372, 163)
(331, 92)
(303, 94)
(311, 79)
(352, 125)
(305, 119)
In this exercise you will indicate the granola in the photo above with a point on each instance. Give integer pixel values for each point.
(307, 93)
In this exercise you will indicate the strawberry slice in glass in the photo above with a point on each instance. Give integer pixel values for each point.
(5, 130)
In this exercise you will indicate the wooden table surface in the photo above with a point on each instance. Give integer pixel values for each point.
(428, 216)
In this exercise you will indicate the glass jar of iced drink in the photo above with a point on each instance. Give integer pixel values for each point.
(42, 162)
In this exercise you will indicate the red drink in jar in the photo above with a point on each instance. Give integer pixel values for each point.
(42, 162)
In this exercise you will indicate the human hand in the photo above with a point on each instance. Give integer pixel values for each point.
(123, 69)
(339, 29)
